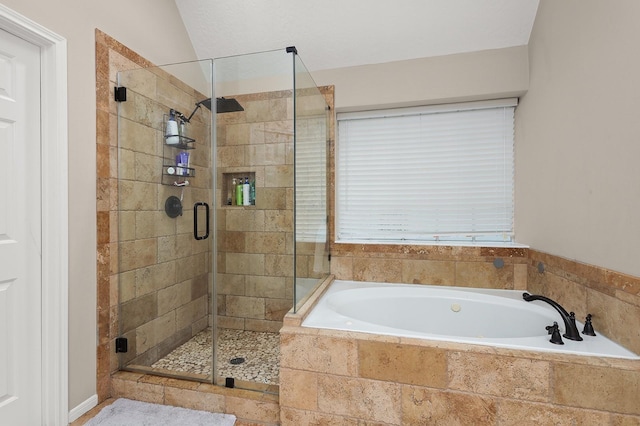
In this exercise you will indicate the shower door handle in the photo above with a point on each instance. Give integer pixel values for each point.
(196, 234)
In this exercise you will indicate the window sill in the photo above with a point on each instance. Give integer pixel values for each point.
(488, 244)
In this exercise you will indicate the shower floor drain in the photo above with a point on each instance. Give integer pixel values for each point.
(236, 361)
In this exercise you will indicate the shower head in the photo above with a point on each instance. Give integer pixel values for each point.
(222, 105)
(225, 105)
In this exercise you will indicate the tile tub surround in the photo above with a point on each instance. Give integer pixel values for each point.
(332, 377)
(428, 264)
(337, 377)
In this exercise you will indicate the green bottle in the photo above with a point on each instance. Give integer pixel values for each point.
(239, 193)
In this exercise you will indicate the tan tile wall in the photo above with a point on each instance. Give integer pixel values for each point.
(162, 279)
(255, 243)
(163, 271)
(436, 265)
(332, 377)
(612, 298)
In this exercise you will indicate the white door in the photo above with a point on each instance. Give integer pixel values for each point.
(20, 233)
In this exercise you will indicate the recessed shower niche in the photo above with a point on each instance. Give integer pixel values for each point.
(191, 301)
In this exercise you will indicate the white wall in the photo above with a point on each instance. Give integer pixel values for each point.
(488, 74)
(152, 28)
(578, 134)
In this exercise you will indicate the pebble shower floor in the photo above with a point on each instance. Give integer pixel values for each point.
(260, 351)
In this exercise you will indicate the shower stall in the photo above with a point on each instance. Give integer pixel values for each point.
(222, 213)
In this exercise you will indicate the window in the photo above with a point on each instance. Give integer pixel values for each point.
(426, 174)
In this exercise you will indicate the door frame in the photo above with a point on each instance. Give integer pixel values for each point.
(55, 214)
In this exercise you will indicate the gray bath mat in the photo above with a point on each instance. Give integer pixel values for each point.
(125, 412)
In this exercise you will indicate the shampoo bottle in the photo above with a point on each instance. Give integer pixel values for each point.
(252, 193)
(231, 194)
(246, 199)
(239, 193)
(171, 132)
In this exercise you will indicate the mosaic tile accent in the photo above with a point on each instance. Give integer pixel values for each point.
(260, 351)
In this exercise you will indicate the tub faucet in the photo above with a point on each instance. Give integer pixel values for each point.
(571, 331)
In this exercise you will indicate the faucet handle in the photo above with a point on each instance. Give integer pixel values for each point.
(556, 339)
(588, 327)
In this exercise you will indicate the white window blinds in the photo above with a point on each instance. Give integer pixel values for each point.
(426, 174)
(311, 184)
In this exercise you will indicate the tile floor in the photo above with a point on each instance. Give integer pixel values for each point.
(260, 351)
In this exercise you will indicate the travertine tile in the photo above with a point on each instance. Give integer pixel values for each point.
(498, 375)
(173, 247)
(620, 420)
(192, 266)
(374, 269)
(597, 388)
(520, 276)
(293, 417)
(483, 275)
(174, 296)
(137, 254)
(154, 277)
(614, 318)
(276, 309)
(428, 272)
(146, 392)
(521, 413)
(280, 176)
(264, 411)
(155, 331)
(360, 398)
(234, 134)
(402, 363)
(278, 265)
(321, 354)
(192, 311)
(138, 311)
(301, 390)
(138, 137)
(245, 307)
(423, 406)
(231, 156)
(266, 154)
(151, 224)
(194, 399)
(231, 241)
(342, 267)
(265, 286)
(278, 131)
(244, 220)
(271, 198)
(278, 220)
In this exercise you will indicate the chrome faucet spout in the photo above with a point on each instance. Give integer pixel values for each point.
(569, 319)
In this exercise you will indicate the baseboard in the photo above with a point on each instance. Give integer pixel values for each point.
(82, 408)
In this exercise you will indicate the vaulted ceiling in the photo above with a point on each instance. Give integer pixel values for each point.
(341, 33)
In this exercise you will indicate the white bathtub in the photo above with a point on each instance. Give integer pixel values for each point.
(466, 315)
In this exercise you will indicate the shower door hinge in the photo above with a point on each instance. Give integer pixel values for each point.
(120, 94)
(329, 257)
(121, 344)
(292, 49)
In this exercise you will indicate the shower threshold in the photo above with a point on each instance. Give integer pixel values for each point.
(259, 350)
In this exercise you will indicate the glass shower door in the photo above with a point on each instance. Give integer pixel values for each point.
(311, 215)
(221, 212)
(165, 248)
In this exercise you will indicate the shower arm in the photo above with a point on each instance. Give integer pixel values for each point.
(198, 105)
